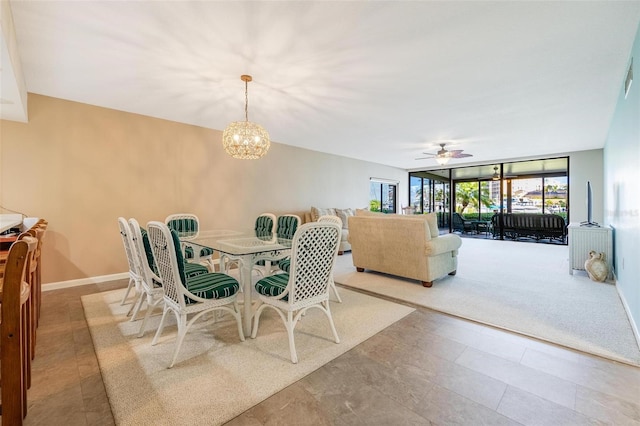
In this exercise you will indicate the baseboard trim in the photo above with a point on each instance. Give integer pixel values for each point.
(634, 326)
(84, 281)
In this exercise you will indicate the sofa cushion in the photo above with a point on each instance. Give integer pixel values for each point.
(432, 220)
(317, 212)
(344, 215)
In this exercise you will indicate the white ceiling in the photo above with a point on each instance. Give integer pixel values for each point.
(378, 81)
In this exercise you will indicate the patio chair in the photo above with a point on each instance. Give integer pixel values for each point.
(187, 226)
(461, 225)
(313, 254)
(286, 229)
(199, 295)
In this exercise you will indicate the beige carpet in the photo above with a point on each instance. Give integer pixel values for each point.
(523, 287)
(217, 377)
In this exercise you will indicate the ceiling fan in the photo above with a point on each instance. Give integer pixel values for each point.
(443, 155)
(496, 174)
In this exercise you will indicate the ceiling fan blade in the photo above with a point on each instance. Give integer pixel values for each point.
(461, 155)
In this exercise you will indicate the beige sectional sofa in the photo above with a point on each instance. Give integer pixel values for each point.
(405, 245)
(343, 214)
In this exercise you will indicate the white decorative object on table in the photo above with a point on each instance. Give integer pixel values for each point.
(596, 266)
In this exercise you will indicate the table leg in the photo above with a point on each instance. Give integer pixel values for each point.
(245, 281)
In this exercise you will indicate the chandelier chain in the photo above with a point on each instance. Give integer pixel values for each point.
(246, 100)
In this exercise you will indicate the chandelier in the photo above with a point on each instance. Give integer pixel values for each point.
(243, 139)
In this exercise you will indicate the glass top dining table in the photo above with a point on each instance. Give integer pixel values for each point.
(247, 248)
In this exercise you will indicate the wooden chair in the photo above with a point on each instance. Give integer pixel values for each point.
(313, 254)
(14, 330)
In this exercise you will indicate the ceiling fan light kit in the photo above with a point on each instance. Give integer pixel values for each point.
(243, 139)
(443, 155)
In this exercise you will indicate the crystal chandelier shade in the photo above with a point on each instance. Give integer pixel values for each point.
(243, 139)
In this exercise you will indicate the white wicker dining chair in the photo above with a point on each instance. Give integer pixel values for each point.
(187, 226)
(264, 227)
(152, 291)
(209, 292)
(286, 226)
(134, 268)
(313, 254)
(333, 219)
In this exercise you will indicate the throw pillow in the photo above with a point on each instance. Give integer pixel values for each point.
(316, 213)
(344, 214)
(432, 220)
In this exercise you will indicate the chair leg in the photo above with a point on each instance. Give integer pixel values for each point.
(327, 311)
(292, 344)
(236, 308)
(136, 306)
(150, 307)
(126, 294)
(332, 284)
(160, 327)
(256, 320)
(182, 331)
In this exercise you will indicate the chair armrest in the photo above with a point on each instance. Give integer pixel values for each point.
(443, 244)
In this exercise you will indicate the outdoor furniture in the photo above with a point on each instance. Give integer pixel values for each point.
(530, 225)
(460, 224)
(205, 293)
(313, 254)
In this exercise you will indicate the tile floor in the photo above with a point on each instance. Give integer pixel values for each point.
(428, 368)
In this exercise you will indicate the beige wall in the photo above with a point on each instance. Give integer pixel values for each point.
(81, 167)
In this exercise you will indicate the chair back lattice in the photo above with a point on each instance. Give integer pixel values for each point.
(167, 256)
(331, 219)
(127, 241)
(313, 254)
(287, 226)
(264, 225)
(143, 253)
(186, 225)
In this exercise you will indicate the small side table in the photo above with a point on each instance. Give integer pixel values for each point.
(483, 226)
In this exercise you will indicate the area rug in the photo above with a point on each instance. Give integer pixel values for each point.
(522, 287)
(216, 376)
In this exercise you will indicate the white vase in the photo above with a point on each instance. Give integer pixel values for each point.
(596, 266)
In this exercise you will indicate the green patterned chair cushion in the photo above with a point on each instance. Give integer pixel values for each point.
(214, 285)
(184, 226)
(181, 260)
(190, 269)
(287, 226)
(194, 269)
(204, 252)
(147, 250)
(264, 225)
(273, 285)
(285, 264)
